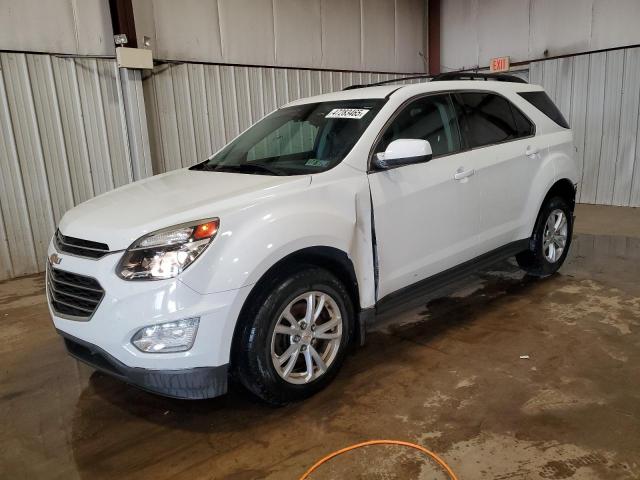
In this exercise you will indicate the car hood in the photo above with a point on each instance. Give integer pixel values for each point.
(121, 216)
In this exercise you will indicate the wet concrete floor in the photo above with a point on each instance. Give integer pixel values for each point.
(444, 372)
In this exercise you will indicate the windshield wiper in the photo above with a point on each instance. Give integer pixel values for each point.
(250, 168)
(204, 167)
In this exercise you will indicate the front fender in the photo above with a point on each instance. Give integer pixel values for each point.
(254, 238)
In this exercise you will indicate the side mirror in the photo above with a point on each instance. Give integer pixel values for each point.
(404, 151)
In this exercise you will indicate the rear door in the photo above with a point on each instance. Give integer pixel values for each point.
(425, 215)
(505, 155)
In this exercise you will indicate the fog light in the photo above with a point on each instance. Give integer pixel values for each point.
(168, 337)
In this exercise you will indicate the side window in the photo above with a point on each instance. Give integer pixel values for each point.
(542, 102)
(430, 118)
(525, 127)
(490, 118)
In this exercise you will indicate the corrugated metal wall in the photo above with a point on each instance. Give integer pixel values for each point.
(599, 95)
(195, 109)
(72, 128)
(63, 140)
(369, 35)
(531, 29)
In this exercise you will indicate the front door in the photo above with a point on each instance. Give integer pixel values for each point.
(425, 215)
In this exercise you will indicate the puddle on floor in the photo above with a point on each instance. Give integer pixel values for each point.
(445, 372)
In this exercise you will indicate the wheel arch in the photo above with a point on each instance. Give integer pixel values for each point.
(332, 259)
(562, 188)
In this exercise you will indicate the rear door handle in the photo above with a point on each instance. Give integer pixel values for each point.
(531, 151)
(460, 174)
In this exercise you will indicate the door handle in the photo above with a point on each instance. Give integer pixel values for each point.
(531, 151)
(460, 174)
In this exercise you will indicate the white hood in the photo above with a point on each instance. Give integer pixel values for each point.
(119, 217)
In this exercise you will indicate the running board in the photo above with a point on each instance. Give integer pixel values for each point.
(445, 278)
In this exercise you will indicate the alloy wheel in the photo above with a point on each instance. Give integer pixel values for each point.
(307, 337)
(555, 235)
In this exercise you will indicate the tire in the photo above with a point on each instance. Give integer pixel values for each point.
(538, 260)
(260, 349)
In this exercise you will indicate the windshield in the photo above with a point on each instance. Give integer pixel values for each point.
(297, 140)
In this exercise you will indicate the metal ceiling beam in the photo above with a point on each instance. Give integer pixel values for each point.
(122, 20)
(433, 28)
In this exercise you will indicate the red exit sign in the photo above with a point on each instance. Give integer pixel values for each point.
(499, 64)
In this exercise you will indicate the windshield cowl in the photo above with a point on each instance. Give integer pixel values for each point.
(242, 168)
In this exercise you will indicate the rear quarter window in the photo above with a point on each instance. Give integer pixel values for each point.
(525, 127)
(542, 102)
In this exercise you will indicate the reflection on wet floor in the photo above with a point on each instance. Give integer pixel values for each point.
(444, 371)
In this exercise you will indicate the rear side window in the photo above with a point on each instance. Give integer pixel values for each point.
(490, 118)
(524, 126)
(542, 102)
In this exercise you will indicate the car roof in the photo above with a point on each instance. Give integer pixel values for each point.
(381, 91)
(384, 91)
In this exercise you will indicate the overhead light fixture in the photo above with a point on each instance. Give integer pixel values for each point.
(120, 39)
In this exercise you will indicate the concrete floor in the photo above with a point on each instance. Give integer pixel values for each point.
(445, 373)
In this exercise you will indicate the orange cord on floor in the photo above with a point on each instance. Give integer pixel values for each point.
(429, 453)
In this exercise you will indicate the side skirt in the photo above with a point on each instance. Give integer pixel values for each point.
(442, 279)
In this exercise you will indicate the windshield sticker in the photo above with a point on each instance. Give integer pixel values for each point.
(356, 113)
(314, 162)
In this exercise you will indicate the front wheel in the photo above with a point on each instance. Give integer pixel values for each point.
(293, 338)
(549, 244)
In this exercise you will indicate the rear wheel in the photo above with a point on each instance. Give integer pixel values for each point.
(550, 241)
(293, 338)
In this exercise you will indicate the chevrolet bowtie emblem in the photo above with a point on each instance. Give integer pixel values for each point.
(55, 259)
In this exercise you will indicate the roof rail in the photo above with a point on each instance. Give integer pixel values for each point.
(384, 82)
(498, 77)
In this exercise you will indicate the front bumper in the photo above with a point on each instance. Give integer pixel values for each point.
(104, 340)
(192, 383)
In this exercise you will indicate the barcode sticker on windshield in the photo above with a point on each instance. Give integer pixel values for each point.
(314, 162)
(356, 113)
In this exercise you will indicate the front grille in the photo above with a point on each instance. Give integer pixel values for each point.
(71, 295)
(82, 248)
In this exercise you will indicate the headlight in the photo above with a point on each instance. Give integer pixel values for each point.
(168, 337)
(167, 252)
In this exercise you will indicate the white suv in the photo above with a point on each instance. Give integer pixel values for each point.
(267, 260)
